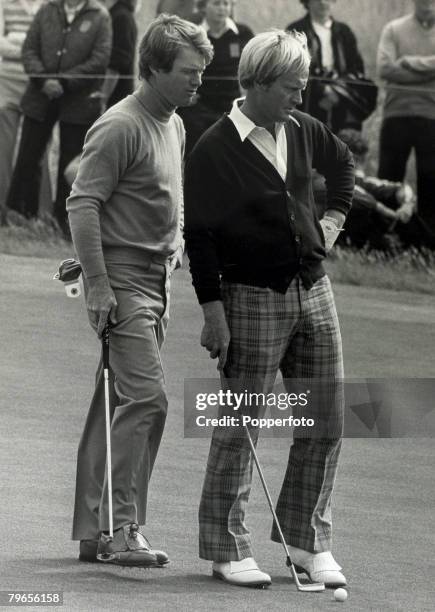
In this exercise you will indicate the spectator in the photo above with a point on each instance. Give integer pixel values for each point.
(123, 51)
(67, 42)
(383, 214)
(406, 60)
(220, 86)
(336, 62)
(15, 19)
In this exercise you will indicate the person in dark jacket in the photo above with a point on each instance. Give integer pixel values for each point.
(334, 51)
(123, 50)
(67, 44)
(220, 85)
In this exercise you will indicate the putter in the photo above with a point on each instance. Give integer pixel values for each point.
(312, 587)
(105, 346)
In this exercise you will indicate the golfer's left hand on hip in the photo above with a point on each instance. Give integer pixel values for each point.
(215, 336)
(331, 226)
(100, 303)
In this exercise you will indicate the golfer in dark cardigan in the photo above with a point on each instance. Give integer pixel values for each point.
(256, 248)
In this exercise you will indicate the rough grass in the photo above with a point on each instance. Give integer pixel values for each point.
(410, 270)
(39, 237)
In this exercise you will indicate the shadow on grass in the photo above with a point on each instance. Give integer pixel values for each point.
(72, 575)
(75, 575)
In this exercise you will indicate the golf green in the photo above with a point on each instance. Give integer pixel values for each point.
(384, 498)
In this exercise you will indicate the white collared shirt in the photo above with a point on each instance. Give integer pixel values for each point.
(324, 33)
(275, 151)
(229, 25)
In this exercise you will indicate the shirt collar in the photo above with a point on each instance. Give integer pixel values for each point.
(244, 125)
(229, 25)
(327, 25)
(71, 10)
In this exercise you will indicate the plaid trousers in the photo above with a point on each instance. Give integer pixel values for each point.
(297, 333)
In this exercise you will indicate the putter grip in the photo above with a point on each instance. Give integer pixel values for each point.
(105, 345)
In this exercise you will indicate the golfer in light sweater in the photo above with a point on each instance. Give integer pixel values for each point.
(125, 213)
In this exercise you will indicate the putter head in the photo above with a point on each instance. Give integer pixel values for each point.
(311, 587)
(307, 587)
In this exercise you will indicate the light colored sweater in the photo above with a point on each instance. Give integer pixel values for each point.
(410, 93)
(126, 202)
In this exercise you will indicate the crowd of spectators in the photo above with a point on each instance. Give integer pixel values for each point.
(63, 61)
(55, 54)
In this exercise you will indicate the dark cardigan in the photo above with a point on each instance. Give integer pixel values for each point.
(242, 221)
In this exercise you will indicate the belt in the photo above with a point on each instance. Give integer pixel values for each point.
(134, 256)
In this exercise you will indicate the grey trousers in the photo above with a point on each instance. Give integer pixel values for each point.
(138, 404)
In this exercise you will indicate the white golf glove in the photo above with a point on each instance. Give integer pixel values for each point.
(330, 231)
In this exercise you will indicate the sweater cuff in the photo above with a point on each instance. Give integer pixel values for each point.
(208, 294)
(343, 208)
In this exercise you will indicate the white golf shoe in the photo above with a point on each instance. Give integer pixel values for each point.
(244, 573)
(319, 567)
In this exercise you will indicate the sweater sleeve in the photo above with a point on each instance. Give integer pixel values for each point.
(333, 159)
(199, 228)
(108, 151)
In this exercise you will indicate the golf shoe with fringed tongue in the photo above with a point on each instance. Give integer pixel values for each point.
(128, 548)
(319, 567)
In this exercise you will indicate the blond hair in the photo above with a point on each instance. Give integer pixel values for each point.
(270, 54)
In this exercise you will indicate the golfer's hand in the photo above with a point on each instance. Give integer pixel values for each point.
(331, 225)
(215, 335)
(52, 89)
(100, 302)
